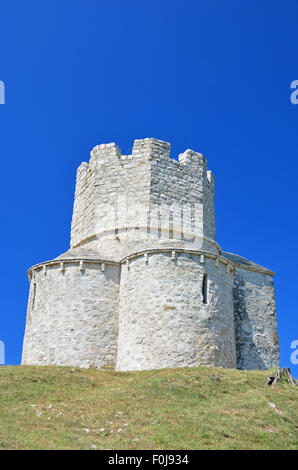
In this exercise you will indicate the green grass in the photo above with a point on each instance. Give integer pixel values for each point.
(71, 408)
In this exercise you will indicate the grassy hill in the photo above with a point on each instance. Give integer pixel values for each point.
(200, 408)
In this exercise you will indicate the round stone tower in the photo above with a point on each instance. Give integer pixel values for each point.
(175, 310)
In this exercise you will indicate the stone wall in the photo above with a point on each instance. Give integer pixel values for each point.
(144, 197)
(255, 320)
(72, 316)
(186, 187)
(82, 224)
(163, 321)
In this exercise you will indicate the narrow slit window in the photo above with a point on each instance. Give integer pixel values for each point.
(33, 296)
(205, 288)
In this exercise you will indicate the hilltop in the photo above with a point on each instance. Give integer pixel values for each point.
(191, 408)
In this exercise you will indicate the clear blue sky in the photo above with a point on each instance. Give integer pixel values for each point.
(210, 75)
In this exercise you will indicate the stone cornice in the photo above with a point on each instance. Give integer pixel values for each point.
(138, 254)
(170, 250)
(186, 235)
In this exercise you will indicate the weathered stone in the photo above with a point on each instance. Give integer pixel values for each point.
(144, 284)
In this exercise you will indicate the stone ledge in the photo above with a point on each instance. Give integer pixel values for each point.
(79, 261)
(224, 260)
(177, 251)
(125, 229)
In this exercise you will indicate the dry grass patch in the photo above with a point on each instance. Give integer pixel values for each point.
(199, 408)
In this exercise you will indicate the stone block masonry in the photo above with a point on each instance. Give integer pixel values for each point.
(144, 284)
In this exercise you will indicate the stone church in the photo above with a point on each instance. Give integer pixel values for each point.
(145, 285)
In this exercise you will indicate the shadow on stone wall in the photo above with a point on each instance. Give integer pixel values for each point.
(248, 356)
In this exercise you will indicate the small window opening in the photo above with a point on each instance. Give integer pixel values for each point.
(33, 296)
(204, 288)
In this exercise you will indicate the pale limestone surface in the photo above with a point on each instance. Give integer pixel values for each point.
(129, 292)
(255, 319)
(72, 316)
(163, 321)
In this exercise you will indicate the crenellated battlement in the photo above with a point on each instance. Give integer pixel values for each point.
(151, 148)
(147, 149)
(149, 183)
